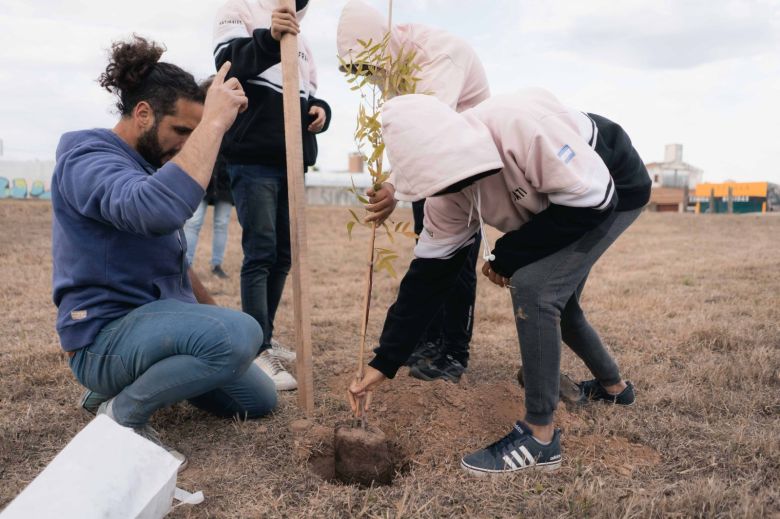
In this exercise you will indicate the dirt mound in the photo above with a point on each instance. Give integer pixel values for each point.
(435, 423)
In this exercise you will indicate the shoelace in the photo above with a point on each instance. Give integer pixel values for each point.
(275, 363)
(504, 444)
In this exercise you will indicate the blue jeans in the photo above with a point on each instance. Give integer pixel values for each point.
(192, 227)
(168, 351)
(260, 194)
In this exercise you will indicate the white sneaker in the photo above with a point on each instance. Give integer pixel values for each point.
(272, 367)
(284, 353)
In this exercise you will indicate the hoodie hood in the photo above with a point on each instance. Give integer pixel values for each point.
(431, 147)
(71, 140)
(359, 21)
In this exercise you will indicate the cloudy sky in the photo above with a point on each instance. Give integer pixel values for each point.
(704, 73)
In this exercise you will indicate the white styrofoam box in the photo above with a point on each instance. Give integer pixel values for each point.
(106, 471)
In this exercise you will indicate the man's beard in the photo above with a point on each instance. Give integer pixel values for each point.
(149, 147)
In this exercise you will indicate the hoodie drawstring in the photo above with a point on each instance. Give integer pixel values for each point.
(486, 254)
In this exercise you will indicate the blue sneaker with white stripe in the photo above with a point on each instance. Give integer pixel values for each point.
(516, 451)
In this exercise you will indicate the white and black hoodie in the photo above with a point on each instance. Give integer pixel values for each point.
(242, 36)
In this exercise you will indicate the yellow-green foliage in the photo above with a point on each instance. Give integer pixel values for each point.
(377, 76)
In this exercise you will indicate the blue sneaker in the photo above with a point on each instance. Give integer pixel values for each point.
(516, 451)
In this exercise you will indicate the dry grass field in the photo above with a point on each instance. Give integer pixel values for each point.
(689, 304)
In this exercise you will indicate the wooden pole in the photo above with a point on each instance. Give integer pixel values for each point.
(364, 324)
(367, 301)
(712, 201)
(730, 201)
(297, 201)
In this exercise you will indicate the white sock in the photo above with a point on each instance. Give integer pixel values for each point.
(540, 442)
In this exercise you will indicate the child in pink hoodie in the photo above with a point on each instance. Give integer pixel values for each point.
(451, 71)
(562, 185)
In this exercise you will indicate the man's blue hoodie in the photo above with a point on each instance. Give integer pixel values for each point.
(117, 241)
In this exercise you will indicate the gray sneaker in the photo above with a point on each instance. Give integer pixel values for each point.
(90, 401)
(147, 432)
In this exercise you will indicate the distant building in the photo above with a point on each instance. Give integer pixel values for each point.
(668, 200)
(737, 197)
(672, 181)
(22, 179)
(673, 172)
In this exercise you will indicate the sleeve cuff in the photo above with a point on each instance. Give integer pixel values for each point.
(267, 42)
(387, 367)
(499, 268)
(179, 182)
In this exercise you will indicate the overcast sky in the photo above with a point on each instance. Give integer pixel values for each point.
(704, 73)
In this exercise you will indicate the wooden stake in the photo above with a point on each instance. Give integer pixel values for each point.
(367, 302)
(297, 202)
(360, 414)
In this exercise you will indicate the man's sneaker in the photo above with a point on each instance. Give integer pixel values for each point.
(444, 367)
(568, 390)
(147, 432)
(426, 351)
(284, 353)
(272, 367)
(90, 401)
(593, 390)
(516, 451)
(217, 271)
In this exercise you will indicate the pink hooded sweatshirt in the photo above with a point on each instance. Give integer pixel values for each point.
(544, 150)
(449, 68)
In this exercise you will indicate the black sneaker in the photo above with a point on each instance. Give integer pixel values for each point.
(516, 451)
(444, 367)
(217, 271)
(424, 351)
(568, 390)
(593, 390)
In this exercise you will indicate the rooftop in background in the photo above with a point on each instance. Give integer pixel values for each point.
(673, 171)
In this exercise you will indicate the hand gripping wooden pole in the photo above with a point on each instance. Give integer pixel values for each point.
(297, 202)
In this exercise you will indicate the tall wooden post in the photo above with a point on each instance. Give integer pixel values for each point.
(712, 202)
(297, 202)
(730, 201)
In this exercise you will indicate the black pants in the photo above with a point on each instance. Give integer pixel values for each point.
(453, 324)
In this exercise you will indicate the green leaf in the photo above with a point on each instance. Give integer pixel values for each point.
(350, 226)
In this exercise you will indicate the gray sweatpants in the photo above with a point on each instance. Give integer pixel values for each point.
(546, 296)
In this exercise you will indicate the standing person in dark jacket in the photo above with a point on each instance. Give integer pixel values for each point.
(218, 194)
(562, 185)
(127, 306)
(247, 33)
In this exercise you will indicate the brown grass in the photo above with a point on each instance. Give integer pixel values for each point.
(689, 305)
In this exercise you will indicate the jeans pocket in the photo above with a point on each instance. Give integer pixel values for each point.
(105, 374)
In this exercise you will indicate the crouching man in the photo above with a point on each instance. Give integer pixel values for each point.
(135, 332)
(563, 186)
